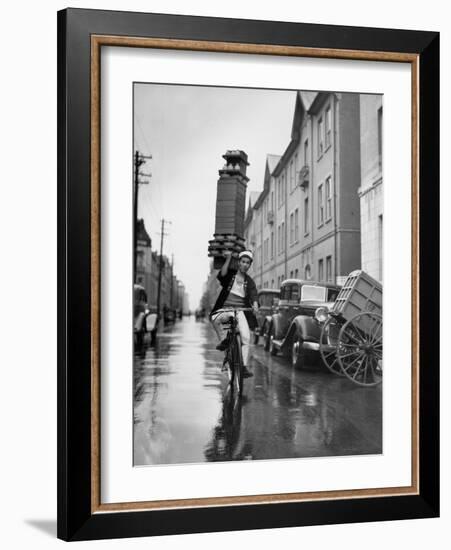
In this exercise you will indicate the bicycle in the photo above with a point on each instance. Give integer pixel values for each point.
(233, 357)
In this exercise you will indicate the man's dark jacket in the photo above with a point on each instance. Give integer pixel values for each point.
(250, 295)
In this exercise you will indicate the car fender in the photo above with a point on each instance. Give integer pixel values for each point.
(140, 321)
(266, 323)
(274, 321)
(151, 321)
(306, 327)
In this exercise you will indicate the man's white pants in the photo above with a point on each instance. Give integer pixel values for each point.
(218, 320)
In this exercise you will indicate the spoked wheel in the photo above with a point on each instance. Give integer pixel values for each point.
(297, 352)
(359, 349)
(328, 345)
(235, 366)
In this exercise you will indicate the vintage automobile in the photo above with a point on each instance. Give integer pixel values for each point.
(144, 320)
(268, 298)
(293, 329)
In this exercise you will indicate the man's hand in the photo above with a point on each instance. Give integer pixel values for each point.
(227, 253)
(255, 307)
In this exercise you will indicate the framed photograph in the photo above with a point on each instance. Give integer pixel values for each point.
(248, 274)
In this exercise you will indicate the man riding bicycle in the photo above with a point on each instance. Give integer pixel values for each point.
(238, 291)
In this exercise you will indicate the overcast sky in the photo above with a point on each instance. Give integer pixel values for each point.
(187, 129)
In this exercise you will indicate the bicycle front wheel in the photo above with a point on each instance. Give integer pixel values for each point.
(238, 364)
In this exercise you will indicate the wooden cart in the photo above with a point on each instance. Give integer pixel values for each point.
(351, 337)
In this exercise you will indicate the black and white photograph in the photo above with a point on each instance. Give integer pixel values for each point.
(258, 274)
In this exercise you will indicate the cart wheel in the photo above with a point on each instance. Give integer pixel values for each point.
(359, 349)
(328, 345)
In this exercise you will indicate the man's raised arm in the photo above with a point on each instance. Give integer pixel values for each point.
(225, 266)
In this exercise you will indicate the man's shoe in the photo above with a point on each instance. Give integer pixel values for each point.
(247, 373)
(223, 345)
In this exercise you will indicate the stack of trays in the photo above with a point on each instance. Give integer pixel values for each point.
(221, 243)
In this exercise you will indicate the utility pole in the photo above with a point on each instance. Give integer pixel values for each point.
(172, 281)
(139, 161)
(163, 222)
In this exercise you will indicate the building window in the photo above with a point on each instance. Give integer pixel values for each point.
(291, 228)
(291, 176)
(295, 168)
(296, 273)
(379, 135)
(291, 274)
(296, 225)
(272, 245)
(327, 138)
(328, 198)
(272, 201)
(306, 159)
(320, 270)
(320, 137)
(140, 259)
(283, 236)
(307, 272)
(272, 283)
(329, 269)
(284, 187)
(306, 216)
(320, 205)
(280, 201)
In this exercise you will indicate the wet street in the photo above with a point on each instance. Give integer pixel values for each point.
(184, 411)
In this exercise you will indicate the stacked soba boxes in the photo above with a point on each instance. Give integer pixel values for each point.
(230, 208)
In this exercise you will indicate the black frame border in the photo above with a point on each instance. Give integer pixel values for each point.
(75, 520)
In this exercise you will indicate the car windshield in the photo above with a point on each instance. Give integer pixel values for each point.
(266, 300)
(309, 292)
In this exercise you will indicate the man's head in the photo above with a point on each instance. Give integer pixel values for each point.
(245, 260)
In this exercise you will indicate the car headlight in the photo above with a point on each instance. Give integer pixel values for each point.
(321, 314)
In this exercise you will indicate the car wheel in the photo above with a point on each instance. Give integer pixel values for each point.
(140, 338)
(297, 352)
(272, 348)
(266, 338)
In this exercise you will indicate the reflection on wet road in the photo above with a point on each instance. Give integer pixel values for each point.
(184, 411)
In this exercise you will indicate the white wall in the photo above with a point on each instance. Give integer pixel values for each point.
(28, 327)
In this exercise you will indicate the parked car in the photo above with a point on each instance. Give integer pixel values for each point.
(169, 315)
(268, 298)
(293, 329)
(144, 319)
